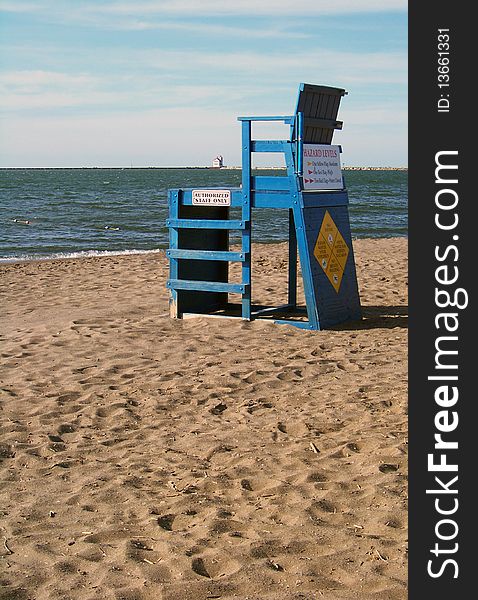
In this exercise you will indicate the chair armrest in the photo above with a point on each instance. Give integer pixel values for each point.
(287, 119)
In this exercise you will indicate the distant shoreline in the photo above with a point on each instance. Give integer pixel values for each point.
(344, 168)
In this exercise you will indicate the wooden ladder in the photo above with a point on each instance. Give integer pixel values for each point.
(175, 254)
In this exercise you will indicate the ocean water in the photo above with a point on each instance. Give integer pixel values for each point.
(47, 213)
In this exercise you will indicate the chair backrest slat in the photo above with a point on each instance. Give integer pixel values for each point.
(321, 103)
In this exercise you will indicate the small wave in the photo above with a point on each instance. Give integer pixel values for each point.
(80, 254)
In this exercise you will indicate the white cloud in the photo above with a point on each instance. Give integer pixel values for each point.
(33, 90)
(53, 100)
(139, 103)
(169, 78)
(154, 138)
(197, 16)
(252, 7)
(37, 89)
(39, 78)
(205, 29)
(20, 6)
(378, 67)
(201, 8)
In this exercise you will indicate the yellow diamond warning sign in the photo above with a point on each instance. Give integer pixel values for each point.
(331, 251)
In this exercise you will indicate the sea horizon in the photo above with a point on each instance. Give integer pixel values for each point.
(224, 168)
(95, 211)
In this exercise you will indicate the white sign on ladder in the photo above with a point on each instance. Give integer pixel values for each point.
(211, 197)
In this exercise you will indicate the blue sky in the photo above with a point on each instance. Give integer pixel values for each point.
(160, 83)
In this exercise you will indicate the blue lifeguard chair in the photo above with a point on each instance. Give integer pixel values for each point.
(314, 193)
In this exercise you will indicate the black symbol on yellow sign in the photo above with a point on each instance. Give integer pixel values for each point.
(331, 251)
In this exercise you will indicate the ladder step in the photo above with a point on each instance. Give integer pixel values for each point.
(206, 224)
(206, 255)
(206, 286)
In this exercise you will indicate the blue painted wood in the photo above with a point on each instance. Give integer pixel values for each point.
(319, 102)
(205, 270)
(269, 145)
(312, 313)
(314, 121)
(205, 286)
(333, 306)
(304, 257)
(330, 123)
(319, 199)
(263, 199)
(246, 216)
(262, 182)
(204, 224)
(300, 134)
(296, 195)
(275, 194)
(205, 255)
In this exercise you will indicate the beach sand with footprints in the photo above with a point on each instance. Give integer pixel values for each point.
(146, 458)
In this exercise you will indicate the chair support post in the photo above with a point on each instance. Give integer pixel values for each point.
(292, 283)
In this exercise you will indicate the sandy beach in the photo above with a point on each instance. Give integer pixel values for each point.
(146, 458)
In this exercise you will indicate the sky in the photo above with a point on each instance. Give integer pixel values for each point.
(106, 83)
